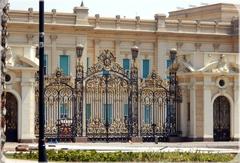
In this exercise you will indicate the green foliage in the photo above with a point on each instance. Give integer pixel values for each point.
(92, 156)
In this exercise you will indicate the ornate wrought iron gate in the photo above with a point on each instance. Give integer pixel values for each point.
(106, 100)
(153, 108)
(107, 103)
(221, 118)
(60, 108)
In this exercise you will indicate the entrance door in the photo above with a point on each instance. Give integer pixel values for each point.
(11, 118)
(221, 118)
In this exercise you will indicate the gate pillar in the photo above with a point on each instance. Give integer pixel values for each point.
(79, 136)
(133, 110)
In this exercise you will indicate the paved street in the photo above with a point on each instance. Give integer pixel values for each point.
(206, 147)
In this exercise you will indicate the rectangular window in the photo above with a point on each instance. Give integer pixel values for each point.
(107, 109)
(148, 114)
(188, 111)
(126, 64)
(88, 112)
(64, 64)
(45, 64)
(63, 111)
(125, 110)
(146, 67)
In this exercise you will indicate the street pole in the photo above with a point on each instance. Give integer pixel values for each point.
(42, 157)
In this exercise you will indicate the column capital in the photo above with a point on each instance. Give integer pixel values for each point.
(216, 46)
(29, 37)
(179, 45)
(53, 37)
(197, 46)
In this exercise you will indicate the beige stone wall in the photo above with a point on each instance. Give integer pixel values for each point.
(219, 12)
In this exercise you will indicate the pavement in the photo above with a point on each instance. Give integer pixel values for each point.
(204, 147)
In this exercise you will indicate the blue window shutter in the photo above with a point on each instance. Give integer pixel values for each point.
(64, 64)
(147, 114)
(45, 64)
(146, 67)
(168, 63)
(125, 110)
(88, 111)
(126, 64)
(63, 111)
(109, 113)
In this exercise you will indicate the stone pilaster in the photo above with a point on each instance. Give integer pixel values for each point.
(207, 110)
(117, 48)
(96, 50)
(54, 55)
(192, 88)
(28, 106)
(184, 112)
(162, 52)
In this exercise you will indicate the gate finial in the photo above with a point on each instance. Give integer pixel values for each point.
(82, 5)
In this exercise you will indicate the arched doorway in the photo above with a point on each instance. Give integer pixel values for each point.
(11, 118)
(221, 119)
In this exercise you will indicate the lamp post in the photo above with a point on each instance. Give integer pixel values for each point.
(42, 157)
(79, 91)
(172, 92)
(106, 75)
(133, 98)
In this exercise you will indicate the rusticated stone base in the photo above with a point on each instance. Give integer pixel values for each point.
(81, 139)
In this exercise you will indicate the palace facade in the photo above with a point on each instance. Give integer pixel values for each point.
(207, 42)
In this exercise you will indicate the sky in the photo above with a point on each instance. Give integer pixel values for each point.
(146, 9)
